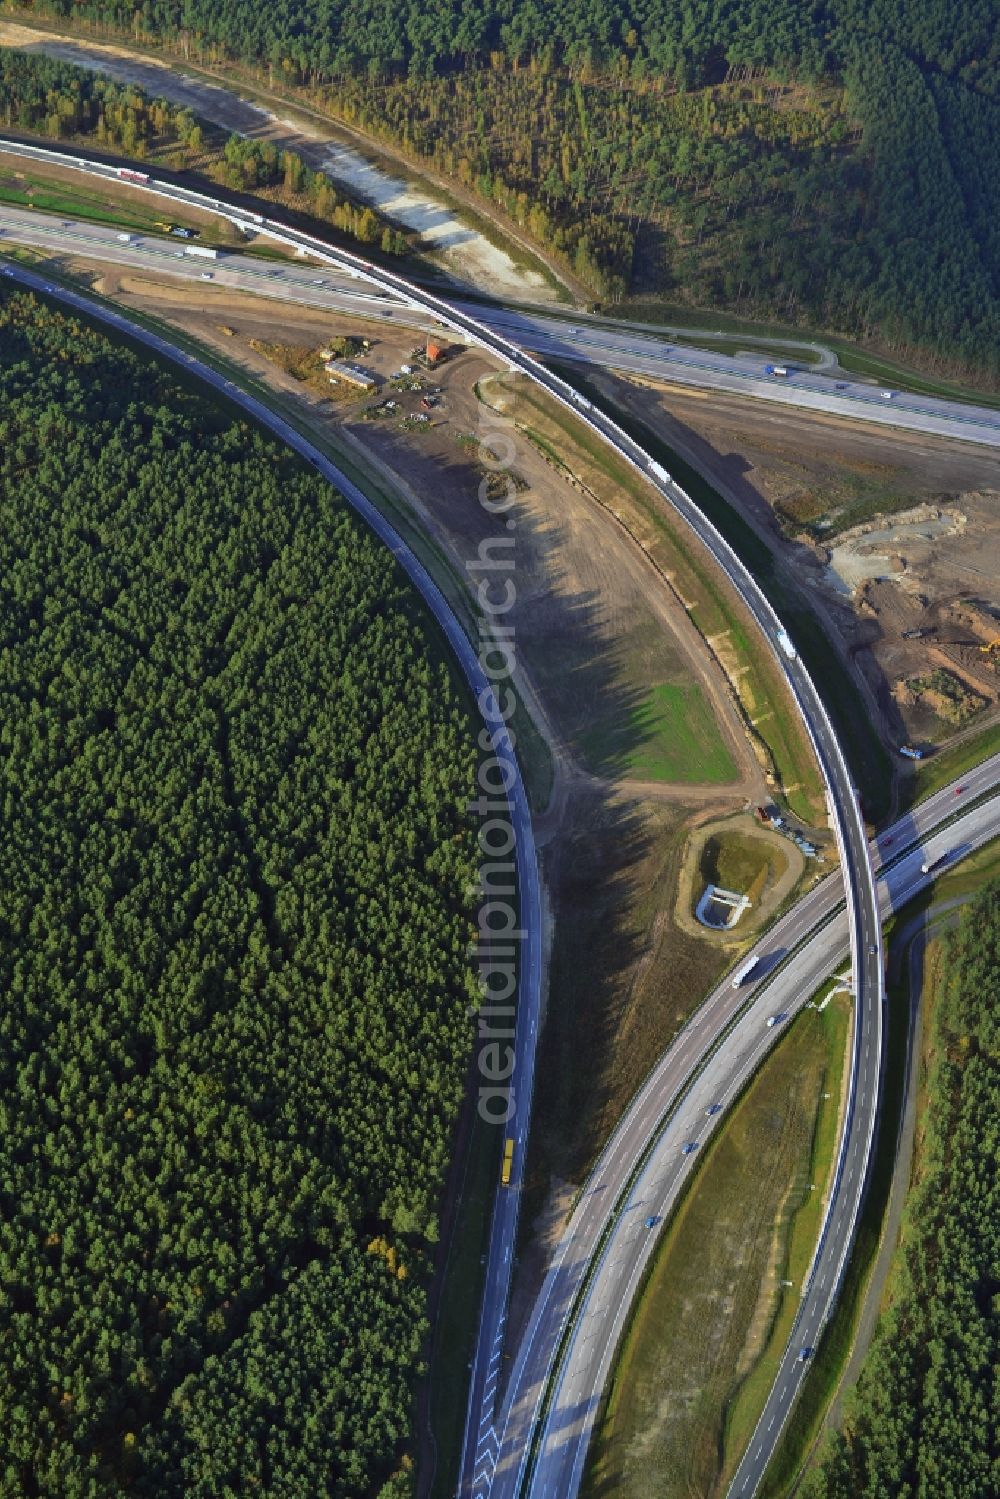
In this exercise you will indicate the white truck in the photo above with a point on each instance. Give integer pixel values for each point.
(203, 252)
(743, 973)
(785, 642)
(126, 239)
(930, 864)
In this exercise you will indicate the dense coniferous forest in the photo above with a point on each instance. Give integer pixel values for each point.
(56, 99)
(923, 1418)
(233, 948)
(827, 161)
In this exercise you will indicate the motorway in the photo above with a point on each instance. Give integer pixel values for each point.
(550, 1403)
(283, 281)
(482, 1446)
(570, 339)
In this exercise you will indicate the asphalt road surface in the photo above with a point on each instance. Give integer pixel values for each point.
(572, 340)
(306, 286)
(529, 942)
(711, 1058)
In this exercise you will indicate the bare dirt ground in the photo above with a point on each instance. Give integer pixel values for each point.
(895, 536)
(460, 249)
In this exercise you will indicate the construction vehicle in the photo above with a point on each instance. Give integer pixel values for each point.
(990, 646)
(508, 1162)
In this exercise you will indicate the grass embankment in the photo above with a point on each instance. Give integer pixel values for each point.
(969, 876)
(900, 377)
(831, 1358)
(675, 738)
(713, 1320)
(783, 353)
(711, 604)
(106, 205)
(943, 766)
(851, 357)
(869, 762)
(741, 862)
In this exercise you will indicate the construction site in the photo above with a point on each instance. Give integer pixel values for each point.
(894, 537)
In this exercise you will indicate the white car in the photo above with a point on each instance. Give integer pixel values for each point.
(887, 395)
(206, 275)
(774, 1020)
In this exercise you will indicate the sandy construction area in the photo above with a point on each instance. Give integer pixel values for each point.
(895, 537)
(461, 250)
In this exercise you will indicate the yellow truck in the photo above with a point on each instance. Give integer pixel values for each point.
(508, 1161)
